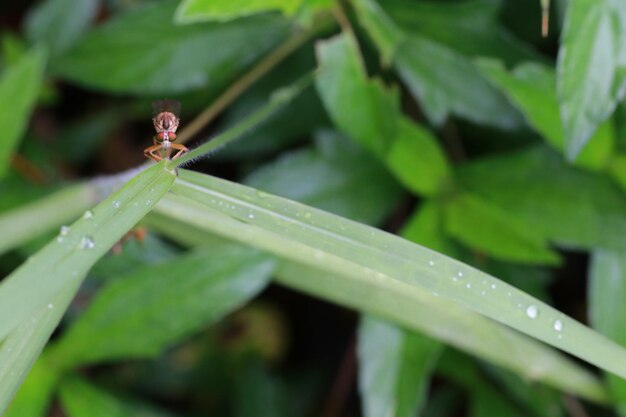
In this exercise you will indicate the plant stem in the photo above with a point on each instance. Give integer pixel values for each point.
(248, 79)
(277, 101)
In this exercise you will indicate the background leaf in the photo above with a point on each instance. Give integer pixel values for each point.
(394, 368)
(338, 177)
(162, 58)
(591, 68)
(200, 10)
(570, 207)
(19, 87)
(607, 289)
(59, 23)
(164, 303)
(82, 399)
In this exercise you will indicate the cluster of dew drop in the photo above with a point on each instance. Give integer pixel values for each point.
(532, 311)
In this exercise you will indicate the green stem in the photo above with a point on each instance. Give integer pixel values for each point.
(249, 78)
(277, 101)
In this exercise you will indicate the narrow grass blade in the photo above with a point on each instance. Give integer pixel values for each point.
(29, 221)
(385, 275)
(21, 348)
(57, 270)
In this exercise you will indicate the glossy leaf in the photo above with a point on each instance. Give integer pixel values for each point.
(80, 398)
(448, 83)
(60, 23)
(202, 10)
(369, 113)
(570, 207)
(19, 88)
(50, 279)
(416, 159)
(147, 53)
(333, 176)
(364, 109)
(591, 68)
(531, 87)
(164, 303)
(495, 231)
(445, 83)
(394, 368)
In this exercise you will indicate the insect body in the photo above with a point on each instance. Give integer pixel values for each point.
(165, 120)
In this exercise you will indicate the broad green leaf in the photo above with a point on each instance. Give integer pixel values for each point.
(370, 114)
(59, 23)
(147, 53)
(531, 87)
(486, 227)
(34, 297)
(364, 109)
(19, 87)
(203, 10)
(607, 312)
(591, 68)
(80, 398)
(448, 83)
(382, 274)
(31, 220)
(333, 176)
(445, 83)
(416, 159)
(394, 368)
(471, 27)
(570, 207)
(163, 303)
(35, 395)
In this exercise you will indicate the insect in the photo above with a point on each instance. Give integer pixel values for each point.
(165, 119)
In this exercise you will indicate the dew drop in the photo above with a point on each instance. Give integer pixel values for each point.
(468, 285)
(50, 306)
(88, 214)
(60, 239)
(117, 204)
(455, 279)
(86, 242)
(558, 325)
(251, 216)
(307, 215)
(64, 230)
(483, 293)
(493, 286)
(532, 311)
(148, 202)
(460, 274)
(431, 263)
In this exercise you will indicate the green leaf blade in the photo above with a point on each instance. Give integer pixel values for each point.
(19, 89)
(164, 58)
(163, 303)
(394, 368)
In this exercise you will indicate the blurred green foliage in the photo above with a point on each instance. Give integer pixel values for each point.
(450, 123)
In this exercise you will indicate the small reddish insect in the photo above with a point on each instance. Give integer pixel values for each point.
(165, 119)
